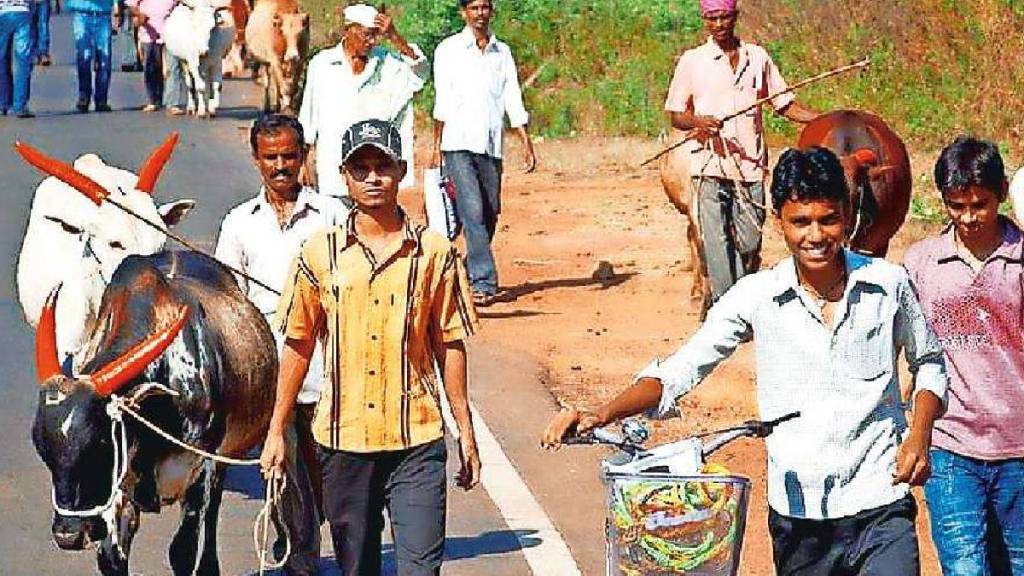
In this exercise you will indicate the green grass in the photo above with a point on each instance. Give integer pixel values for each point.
(939, 67)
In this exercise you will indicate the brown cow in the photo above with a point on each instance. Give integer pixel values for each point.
(278, 39)
(877, 170)
(234, 62)
(677, 181)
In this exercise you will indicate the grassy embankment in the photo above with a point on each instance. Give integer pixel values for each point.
(601, 67)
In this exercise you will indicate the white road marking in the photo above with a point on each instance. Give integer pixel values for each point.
(518, 507)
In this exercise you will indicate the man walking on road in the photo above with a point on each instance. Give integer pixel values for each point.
(358, 80)
(149, 17)
(828, 325)
(477, 84)
(16, 57)
(729, 160)
(92, 26)
(261, 237)
(391, 302)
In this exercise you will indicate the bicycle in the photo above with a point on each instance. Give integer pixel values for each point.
(667, 512)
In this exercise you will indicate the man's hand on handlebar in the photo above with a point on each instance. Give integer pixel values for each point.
(569, 422)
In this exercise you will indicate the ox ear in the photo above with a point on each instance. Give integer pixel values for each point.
(116, 374)
(47, 361)
(173, 213)
(876, 172)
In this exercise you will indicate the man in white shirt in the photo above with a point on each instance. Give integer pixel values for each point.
(261, 237)
(476, 82)
(827, 325)
(358, 80)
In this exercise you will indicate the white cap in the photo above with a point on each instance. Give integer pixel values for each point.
(361, 14)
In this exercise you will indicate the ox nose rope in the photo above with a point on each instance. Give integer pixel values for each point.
(116, 409)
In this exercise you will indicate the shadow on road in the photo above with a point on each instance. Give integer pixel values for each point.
(604, 282)
(455, 549)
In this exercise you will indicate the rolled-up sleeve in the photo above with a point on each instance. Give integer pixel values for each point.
(420, 65)
(513, 96)
(774, 83)
(299, 313)
(679, 90)
(453, 314)
(727, 326)
(921, 346)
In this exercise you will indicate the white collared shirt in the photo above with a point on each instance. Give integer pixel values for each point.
(251, 240)
(335, 98)
(839, 456)
(475, 89)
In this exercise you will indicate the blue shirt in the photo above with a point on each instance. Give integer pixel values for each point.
(838, 458)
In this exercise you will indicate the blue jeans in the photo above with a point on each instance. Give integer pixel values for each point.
(16, 36)
(977, 514)
(477, 179)
(174, 81)
(40, 28)
(92, 43)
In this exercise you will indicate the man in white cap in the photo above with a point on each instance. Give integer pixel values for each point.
(359, 80)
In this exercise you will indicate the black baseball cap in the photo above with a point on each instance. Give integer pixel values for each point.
(380, 134)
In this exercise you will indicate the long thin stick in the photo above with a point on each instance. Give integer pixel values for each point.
(855, 66)
(186, 244)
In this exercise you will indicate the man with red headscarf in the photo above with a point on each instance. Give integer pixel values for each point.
(728, 160)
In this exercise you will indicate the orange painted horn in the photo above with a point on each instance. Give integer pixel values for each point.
(63, 172)
(47, 361)
(116, 374)
(154, 165)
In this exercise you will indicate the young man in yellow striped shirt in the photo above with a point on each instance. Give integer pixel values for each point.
(390, 300)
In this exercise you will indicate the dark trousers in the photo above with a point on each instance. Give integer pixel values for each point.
(410, 484)
(153, 71)
(477, 179)
(877, 542)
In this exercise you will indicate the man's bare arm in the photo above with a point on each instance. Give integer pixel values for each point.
(457, 391)
(294, 364)
(644, 394)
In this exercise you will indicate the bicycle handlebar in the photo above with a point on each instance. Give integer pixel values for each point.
(751, 428)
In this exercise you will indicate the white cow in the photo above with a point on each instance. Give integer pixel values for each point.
(1017, 196)
(72, 241)
(201, 34)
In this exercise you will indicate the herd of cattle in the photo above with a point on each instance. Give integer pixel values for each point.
(172, 334)
(272, 35)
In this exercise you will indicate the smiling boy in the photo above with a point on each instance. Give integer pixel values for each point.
(827, 325)
(970, 280)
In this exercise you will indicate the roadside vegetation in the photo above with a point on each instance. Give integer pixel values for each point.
(602, 67)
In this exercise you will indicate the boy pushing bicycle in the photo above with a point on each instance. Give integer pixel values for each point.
(827, 325)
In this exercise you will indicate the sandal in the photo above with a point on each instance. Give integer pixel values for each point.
(482, 299)
(175, 111)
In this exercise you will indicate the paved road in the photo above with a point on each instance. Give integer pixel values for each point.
(212, 166)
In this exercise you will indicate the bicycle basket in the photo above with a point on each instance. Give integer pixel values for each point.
(660, 524)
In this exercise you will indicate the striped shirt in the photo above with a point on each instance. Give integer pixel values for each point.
(385, 321)
(839, 456)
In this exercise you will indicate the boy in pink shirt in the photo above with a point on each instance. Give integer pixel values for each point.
(970, 280)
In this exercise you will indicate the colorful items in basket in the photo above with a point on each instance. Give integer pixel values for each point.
(668, 526)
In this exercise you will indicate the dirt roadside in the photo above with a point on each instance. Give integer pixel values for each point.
(592, 327)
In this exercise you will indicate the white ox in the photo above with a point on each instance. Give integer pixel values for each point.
(72, 241)
(201, 34)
